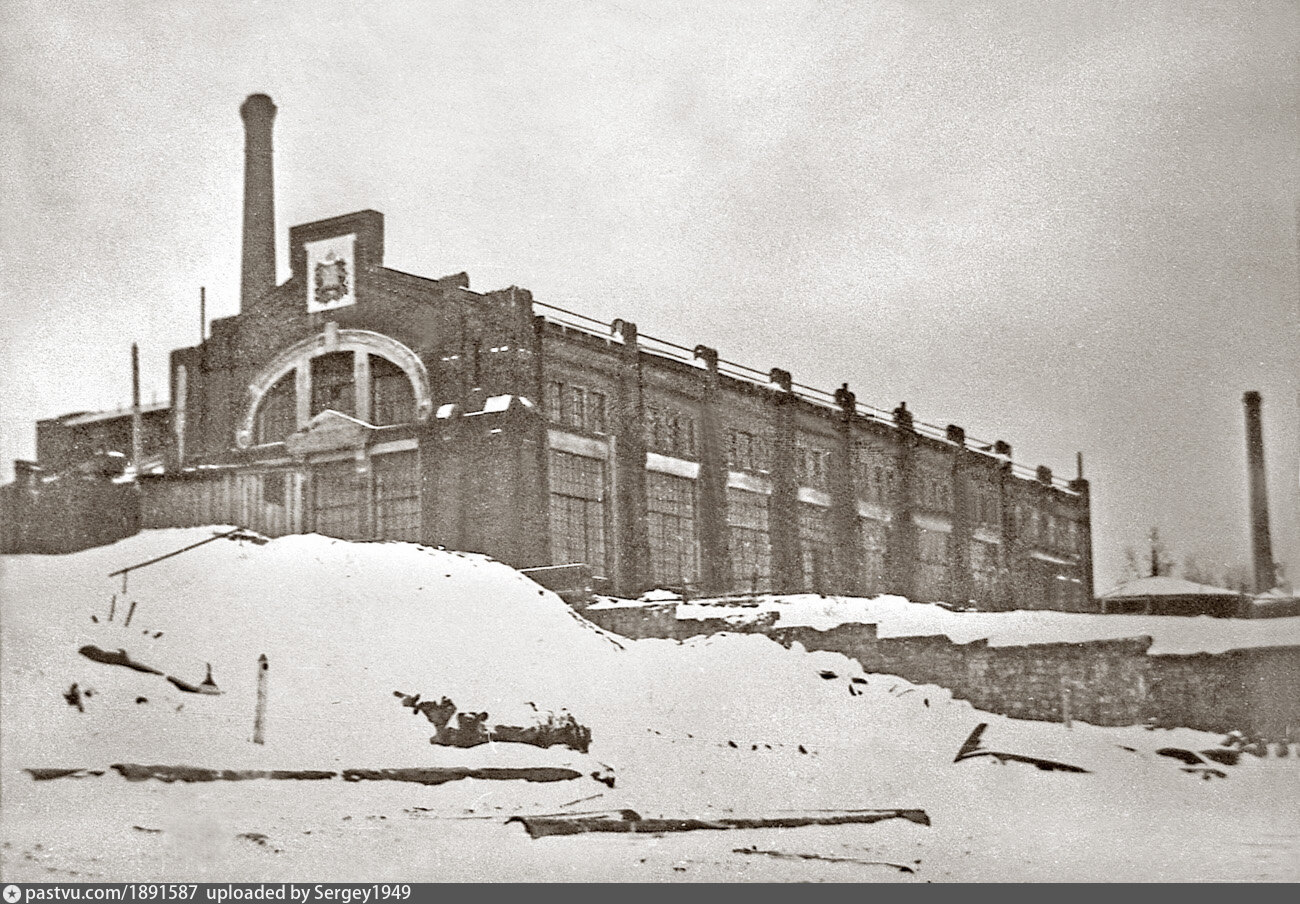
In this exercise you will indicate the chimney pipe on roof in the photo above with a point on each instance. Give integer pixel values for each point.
(257, 274)
(1261, 545)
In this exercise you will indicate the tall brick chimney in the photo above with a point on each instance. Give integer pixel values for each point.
(1261, 545)
(257, 273)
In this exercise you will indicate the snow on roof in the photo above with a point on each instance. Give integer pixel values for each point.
(88, 417)
(496, 403)
(1164, 586)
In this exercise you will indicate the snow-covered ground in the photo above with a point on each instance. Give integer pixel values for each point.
(729, 725)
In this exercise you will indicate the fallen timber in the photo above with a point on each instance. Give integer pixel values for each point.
(632, 822)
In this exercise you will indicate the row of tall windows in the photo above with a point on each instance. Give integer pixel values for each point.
(1046, 529)
(580, 521)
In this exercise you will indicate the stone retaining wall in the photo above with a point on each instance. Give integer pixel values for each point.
(1103, 682)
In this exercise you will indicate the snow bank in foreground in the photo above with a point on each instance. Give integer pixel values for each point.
(729, 724)
(898, 617)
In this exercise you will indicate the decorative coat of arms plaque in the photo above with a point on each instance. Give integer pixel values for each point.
(331, 279)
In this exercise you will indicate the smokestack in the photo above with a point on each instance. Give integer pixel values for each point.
(1261, 545)
(258, 271)
(137, 419)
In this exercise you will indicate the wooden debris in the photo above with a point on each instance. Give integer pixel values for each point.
(631, 822)
(783, 855)
(118, 657)
(971, 748)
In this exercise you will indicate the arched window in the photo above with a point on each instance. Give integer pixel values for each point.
(393, 387)
(392, 399)
(277, 415)
(332, 385)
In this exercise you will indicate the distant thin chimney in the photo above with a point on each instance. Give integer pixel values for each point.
(258, 267)
(1261, 545)
(137, 419)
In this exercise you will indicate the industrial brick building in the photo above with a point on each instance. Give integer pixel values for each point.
(363, 402)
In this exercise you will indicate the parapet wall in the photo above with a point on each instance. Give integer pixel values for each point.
(1103, 682)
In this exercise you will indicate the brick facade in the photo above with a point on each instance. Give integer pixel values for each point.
(364, 401)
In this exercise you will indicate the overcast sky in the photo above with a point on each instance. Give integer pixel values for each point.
(1068, 225)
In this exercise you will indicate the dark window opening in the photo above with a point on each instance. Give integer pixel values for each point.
(332, 384)
(392, 400)
(277, 413)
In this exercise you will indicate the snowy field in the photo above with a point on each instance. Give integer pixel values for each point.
(731, 725)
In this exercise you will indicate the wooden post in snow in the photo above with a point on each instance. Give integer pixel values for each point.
(259, 716)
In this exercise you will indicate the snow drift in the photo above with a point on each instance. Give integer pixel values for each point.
(729, 724)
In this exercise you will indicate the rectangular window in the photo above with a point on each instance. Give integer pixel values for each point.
(397, 496)
(750, 542)
(669, 431)
(875, 551)
(577, 406)
(596, 406)
(984, 570)
(933, 553)
(869, 465)
(554, 401)
(815, 543)
(812, 466)
(577, 510)
(670, 516)
(747, 452)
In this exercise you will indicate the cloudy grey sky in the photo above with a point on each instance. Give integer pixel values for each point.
(1071, 225)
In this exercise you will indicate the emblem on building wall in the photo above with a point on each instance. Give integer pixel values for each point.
(331, 279)
(331, 272)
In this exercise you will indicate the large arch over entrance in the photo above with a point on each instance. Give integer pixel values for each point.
(296, 360)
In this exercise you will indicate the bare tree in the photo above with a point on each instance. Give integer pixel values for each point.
(1161, 563)
(1132, 564)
